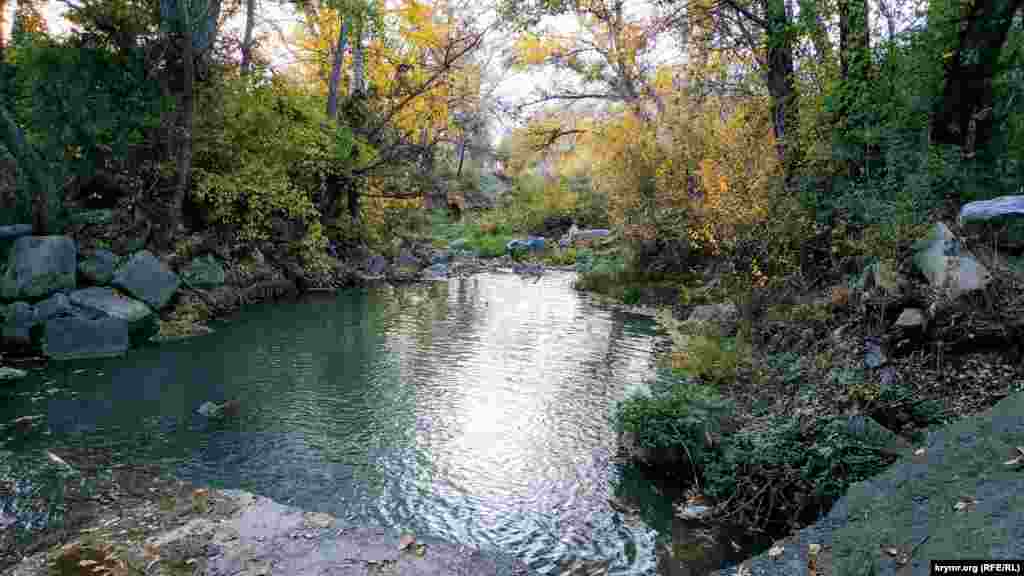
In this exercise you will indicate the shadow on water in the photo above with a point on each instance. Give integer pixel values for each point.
(475, 411)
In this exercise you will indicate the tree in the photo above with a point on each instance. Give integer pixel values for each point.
(963, 116)
(247, 40)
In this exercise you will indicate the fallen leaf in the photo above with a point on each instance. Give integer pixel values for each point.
(964, 503)
(892, 551)
(421, 549)
(87, 562)
(405, 541)
(775, 551)
(919, 452)
(813, 549)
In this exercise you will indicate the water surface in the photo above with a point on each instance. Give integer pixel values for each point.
(475, 411)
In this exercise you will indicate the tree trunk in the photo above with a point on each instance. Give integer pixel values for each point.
(967, 95)
(183, 143)
(358, 84)
(28, 160)
(353, 198)
(333, 85)
(250, 22)
(782, 87)
(855, 75)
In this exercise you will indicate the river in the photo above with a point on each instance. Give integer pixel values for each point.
(475, 410)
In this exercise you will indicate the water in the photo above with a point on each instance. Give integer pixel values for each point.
(475, 411)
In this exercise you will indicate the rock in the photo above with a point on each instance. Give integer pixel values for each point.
(874, 356)
(406, 259)
(911, 319)
(528, 269)
(111, 304)
(440, 258)
(213, 410)
(148, 279)
(208, 409)
(56, 305)
(587, 235)
(99, 267)
(437, 271)
(947, 266)
(21, 318)
(184, 542)
(204, 272)
(76, 337)
(723, 315)
(376, 265)
(11, 374)
(984, 210)
(92, 217)
(39, 266)
(535, 243)
(15, 231)
(457, 244)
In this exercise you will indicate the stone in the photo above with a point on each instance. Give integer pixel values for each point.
(724, 315)
(376, 265)
(39, 266)
(111, 304)
(99, 267)
(76, 337)
(208, 409)
(946, 265)
(535, 243)
(10, 374)
(204, 272)
(984, 210)
(440, 258)
(458, 244)
(437, 271)
(15, 231)
(874, 356)
(54, 306)
(21, 318)
(148, 279)
(592, 234)
(912, 318)
(406, 259)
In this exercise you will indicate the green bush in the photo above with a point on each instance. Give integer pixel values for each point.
(676, 412)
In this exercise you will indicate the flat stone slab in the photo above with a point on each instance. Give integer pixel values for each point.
(111, 304)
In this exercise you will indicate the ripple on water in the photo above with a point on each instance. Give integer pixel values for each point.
(474, 410)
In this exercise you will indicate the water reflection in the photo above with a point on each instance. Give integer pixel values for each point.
(475, 410)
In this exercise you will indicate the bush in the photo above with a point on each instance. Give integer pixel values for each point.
(676, 412)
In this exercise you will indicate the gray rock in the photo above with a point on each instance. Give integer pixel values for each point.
(947, 265)
(11, 374)
(56, 305)
(437, 271)
(111, 304)
(407, 260)
(984, 210)
(148, 279)
(39, 266)
(376, 265)
(458, 243)
(591, 234)
(440, 258)
(208, 409)
(874, 356)
(75, 337)
(912, 318)
(21, 317)
(205, 272)
(98, 268)
(15, 231)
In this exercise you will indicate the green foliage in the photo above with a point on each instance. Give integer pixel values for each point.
(675, 412)
(561, 257)
(819, 461)
(262, 152)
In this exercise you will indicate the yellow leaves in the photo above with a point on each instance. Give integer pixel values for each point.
(533, 50)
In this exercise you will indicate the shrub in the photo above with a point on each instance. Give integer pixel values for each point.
(676, 412)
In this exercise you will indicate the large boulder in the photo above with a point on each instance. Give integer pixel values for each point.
(148, 279)
(39, 266)
(76, 337)
(204, 272)
(15, 231)
(99, 267)
(17, 329)
(947, 265)
(985, 210)
(54, 306)
(111, 304)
